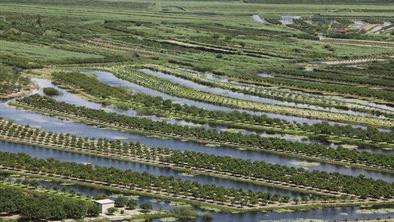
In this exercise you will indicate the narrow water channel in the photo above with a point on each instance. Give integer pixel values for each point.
(238, 95)
(354, 102)
(57, 125)
(77, 100)
(68, 97)
(324, 214)
(112, 80)
(92, 192)
(45, 153)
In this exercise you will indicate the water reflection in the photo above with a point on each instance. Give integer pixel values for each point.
(54, 124)
(111, 79)
(45, 153)
(242, 96)
(325, 214)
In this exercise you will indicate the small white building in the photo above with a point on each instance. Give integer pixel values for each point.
(104, 205)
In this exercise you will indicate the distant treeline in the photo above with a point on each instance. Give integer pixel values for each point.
(317, 1)
(111, 4)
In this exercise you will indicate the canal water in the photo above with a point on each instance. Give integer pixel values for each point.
(68, 97)
(323, 214)
(57, 125)
(112, 80)
(45, 153)
(77, 100)
(238, 95)
(354, 103)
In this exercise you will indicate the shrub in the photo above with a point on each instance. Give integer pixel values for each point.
(49, 91)
(184, 213)
(131, 204)
(112, 210)
(146, 207)
(121, 201)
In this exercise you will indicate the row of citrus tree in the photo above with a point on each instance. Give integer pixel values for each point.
(159, 106)
(33, 205)
(200, 134)
(360, 186)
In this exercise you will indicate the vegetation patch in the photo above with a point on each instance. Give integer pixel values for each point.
(208, 164)
(252, 142)
(39, 205)
(49, 91)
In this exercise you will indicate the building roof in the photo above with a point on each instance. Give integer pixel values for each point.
(343, 30)
(104, 201)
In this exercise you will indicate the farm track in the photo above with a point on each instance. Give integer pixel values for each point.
(359, 42)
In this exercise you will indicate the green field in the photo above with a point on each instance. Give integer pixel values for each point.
(42, 53)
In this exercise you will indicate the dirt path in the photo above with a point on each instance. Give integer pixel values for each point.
(352, 61)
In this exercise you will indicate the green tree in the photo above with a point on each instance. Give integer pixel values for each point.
(146, 207)
(112, 210)
(121, 201)
(131, 204)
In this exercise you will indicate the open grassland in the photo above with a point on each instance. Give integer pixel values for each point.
(42, 53)
(12, 83)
